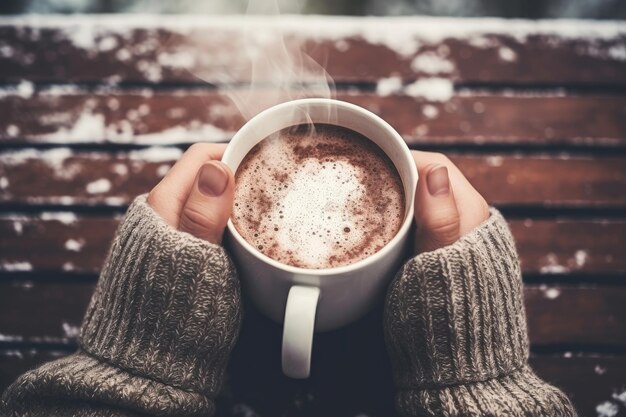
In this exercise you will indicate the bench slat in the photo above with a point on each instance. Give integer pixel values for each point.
(589, 380)
(52, 312)
(64, 176)
(63, 241)
(354, 50)
(58, 116)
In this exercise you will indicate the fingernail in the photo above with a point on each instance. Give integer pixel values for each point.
(438, 181)
(213, 179)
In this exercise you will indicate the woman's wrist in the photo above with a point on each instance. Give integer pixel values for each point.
(167, 305)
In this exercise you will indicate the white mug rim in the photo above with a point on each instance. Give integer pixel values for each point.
(338, 270)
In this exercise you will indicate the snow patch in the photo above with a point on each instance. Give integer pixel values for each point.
(408, 33)
(156, 154)
(12, 353)
(581, 257)
(388, 86)
(10, 338)
(552, 265)
(18, 227)
(162, 170)
(92, 127)
(16, 266)
(123, 54)
(115, 201)
(12, 130)
(620, 397)
(27, 285)
(87, 127)
(192, 132)
(54, 158)
(6, 51)
(430, 111)
(552, 293)
(65, 217)
(4, 183)
(607, 409)
(68, 266)
(494, 161)
(120, 169)
(107, 43)
(507, 54)
(431, 63)
(179, 59)
(25, 89)
(70, 330)
(342, 45)
(600, 370)
(83, 36)
(74, 245)
(617, 52)
(151, 70)
(98, 186)
(432, 89)
(60, 90)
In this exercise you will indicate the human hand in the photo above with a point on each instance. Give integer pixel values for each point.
(196, 195)
(447, 206)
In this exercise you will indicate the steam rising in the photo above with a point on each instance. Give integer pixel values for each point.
(279, 70)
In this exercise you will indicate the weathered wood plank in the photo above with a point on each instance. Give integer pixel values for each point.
(175, 49)
(63, 176)
(60, 115)
(63, 241)
(570, 246)
(589, 380)
(546, 180)
(574, 315)
(52, 312)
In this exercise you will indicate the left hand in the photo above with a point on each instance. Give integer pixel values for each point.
(196, 195)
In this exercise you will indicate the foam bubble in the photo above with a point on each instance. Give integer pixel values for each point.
(317, 199)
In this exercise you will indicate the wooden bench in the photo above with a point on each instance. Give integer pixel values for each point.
(94, 111)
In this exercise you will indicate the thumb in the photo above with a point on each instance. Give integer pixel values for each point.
(209, 203)
(436, 213)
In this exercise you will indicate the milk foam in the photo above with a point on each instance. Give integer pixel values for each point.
(317, 200)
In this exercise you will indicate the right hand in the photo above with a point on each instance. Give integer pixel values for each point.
(447, 206)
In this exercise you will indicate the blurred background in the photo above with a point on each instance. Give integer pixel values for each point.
(532, 9)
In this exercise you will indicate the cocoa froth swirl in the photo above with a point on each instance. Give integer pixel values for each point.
(317, 196)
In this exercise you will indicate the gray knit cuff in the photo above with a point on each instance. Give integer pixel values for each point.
(166, 307)
(466, 300)
(456, 332)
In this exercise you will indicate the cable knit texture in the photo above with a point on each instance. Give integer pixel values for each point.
(157, 334)
(456, 332)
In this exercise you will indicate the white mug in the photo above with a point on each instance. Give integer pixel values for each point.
(309, 300)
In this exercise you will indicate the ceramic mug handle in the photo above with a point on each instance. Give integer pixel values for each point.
(298, 330)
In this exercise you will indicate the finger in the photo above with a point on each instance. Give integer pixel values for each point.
(169, 196)
(210, 202)
(436, 213)
(473, 209)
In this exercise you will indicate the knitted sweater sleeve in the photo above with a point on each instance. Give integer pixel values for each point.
(156, 336)
(455, 328)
